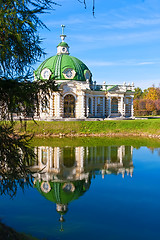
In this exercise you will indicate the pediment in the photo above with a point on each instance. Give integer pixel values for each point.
(114, 88)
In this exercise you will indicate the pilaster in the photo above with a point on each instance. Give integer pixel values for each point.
(122, 105)
(103, 106)
(132, 110)
(87, 107)
(95, 105)
(109, 106)
(82, 105)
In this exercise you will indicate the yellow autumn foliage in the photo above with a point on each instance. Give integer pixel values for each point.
(153, 93)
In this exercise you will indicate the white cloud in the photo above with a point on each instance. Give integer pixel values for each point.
(147, 63)
(120, 63)
(110, 39)
(68, 22)
(131, 23)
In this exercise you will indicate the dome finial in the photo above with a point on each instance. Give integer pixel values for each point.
(62, 35)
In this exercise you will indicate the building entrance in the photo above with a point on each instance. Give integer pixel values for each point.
(69, 106)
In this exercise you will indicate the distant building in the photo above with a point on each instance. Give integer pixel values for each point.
(78, 96)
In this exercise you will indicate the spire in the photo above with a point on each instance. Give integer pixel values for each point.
(62, 35)
(63, 47)
(61, 220)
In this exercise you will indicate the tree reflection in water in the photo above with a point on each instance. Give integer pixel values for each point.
(15, 157)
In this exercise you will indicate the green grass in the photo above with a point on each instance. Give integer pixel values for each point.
(150, 126)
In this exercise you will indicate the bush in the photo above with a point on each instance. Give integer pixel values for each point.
(142, 104)
(154, 113)
(157, 104)
(135, 104)
(142, 113)
(150, 105)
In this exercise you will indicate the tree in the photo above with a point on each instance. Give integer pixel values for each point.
(152, 93)
(157, 104)
(85, 5)
(150, 105)
(138, 93)
(19, 49)
(136, 104)
(142, 104)
(145, 92)
(15, 154)
(19, 38)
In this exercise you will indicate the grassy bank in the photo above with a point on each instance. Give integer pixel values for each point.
(150, 128)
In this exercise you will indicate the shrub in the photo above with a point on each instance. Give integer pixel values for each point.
(157, 104)
(142, 113)
(135, 104)
(142, 104)
(150, 105)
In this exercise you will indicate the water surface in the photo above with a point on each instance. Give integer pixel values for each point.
(94, 190)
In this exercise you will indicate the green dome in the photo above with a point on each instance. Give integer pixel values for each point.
(63, 44)
(57, 193)
(59, 63)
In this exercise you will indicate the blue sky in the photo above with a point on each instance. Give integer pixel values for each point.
(120, 44)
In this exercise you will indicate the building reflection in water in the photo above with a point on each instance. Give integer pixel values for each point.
(63, 174)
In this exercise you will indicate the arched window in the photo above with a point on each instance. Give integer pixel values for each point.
(69, 106)
(69, 156)
(114, 105)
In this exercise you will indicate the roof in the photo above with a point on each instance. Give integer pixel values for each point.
(58, 63)
(57, 193)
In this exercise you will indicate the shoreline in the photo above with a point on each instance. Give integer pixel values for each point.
(76, 135)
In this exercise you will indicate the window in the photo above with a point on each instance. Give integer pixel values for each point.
(114, 105)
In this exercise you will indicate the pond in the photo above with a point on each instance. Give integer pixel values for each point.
(89, 189)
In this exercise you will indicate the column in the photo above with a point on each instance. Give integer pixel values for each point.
(51, 158)
(122, 98)
(87, 107)
(95, 105)
(79, 154)
(132, 110)
(109, 106)
(39, 157)
(51, 105)
(92, 105)
(120, 154)
(58, 105)
(40, 104)
(81, 158)
(56, 158)
(124, 110)
(103, 106)
(82, 106)
(86, 156)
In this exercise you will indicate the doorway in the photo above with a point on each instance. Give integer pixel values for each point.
(69, 106)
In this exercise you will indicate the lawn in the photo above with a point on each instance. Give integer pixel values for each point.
(131, 127)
